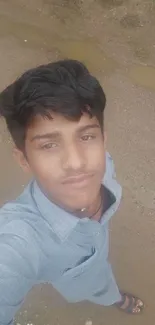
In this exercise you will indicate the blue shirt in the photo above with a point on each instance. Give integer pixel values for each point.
(41, 243)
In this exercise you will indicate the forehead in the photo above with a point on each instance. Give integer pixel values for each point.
(59, 123)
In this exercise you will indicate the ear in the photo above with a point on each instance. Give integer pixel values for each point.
(21, 160)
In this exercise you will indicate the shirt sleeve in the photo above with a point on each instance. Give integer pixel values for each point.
(18, 270)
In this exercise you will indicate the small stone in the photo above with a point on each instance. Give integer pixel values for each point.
(88, 322)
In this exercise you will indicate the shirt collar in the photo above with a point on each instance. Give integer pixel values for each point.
(61, 222)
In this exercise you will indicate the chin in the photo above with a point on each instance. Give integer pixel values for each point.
(80, 201)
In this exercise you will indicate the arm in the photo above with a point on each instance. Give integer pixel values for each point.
(17, 273)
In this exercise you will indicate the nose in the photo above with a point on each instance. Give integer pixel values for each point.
(73, 158)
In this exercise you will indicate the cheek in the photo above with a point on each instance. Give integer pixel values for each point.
(96, 157)
(44, 166)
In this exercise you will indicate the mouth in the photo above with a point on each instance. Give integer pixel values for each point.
(78, 181)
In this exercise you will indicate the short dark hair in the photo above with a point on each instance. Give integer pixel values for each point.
(65, 87)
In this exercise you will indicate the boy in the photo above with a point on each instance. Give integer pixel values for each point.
(57, 230)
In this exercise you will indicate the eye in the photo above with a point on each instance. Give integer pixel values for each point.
(88, 137)
(49, 146)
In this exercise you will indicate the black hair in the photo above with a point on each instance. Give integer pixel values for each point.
(65, 87)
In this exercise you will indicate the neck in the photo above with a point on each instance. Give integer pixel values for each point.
(94, 211)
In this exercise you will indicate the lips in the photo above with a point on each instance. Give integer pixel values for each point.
(79, 180)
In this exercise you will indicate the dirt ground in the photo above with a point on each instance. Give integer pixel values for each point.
(115, 38)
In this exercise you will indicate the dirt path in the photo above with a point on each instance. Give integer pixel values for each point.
(116, 40)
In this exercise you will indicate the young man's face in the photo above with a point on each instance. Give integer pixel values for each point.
(67, 159)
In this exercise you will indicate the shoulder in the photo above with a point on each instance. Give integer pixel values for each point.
(18, 217)
(18, 235)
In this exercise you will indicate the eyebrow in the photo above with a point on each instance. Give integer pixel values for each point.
(87, 127)
(54, 135)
